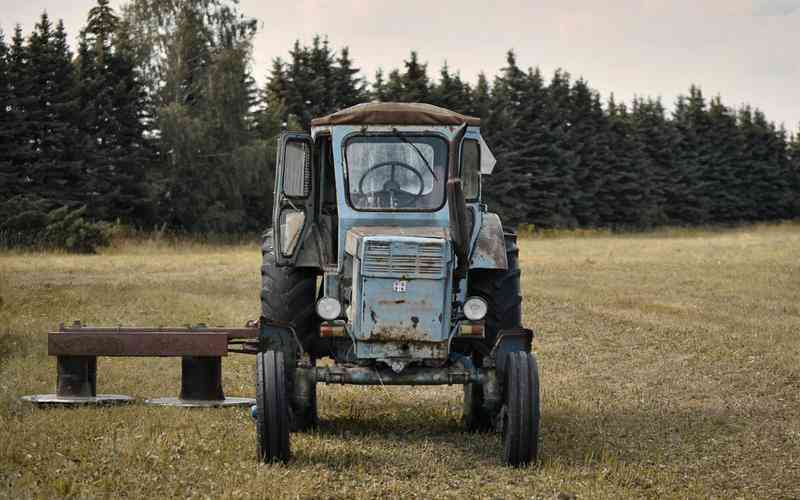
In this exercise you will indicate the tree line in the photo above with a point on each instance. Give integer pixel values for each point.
(156, 121)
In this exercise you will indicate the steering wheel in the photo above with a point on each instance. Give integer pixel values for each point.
(391, 188)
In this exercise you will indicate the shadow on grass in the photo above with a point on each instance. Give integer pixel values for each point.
(570, 439)
(381, 441)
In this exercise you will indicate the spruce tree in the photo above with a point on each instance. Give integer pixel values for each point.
(692, 158)
(112, 120)
(394, 90)
(529, 177)
(480, 100)
(313, 83)
(10, 177)
(720, 173)
(378, 91)
(747, 166)
(17, 132)
(784, 174)
(761, 173)
(506, 190)
(412, 85)
(794, 167)
(563, 156)
(765, 162)
(416, 85)
(276, 90)
(588, 137)
(348, 88)
(319, 97)
(55, 169)
(450, 92)
(626, 188)
(660, 142)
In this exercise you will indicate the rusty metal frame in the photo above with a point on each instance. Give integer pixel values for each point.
(378, 375)
(79, 340)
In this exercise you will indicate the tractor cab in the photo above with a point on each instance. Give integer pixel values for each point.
(384, 199)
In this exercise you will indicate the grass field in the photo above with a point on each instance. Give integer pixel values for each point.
(670, 365)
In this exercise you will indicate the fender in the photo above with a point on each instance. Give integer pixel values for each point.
(489, 250)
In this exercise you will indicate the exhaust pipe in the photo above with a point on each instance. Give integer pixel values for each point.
(460, 224)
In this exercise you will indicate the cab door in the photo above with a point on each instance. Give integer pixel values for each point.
(294, 196)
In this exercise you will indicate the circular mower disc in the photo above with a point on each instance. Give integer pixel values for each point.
(55, 399)
(200, 403)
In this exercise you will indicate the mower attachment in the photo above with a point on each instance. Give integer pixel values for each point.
(200, 348)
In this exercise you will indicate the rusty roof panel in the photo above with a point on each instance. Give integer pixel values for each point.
(395, 113)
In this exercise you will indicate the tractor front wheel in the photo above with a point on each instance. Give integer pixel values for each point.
(520, 412)
(272, 408)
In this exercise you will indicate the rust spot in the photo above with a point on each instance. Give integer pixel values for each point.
(490, 246)
(414, 321)
(399, 334)
(421, 304)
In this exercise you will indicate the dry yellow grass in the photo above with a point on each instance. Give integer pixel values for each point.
(669, 369)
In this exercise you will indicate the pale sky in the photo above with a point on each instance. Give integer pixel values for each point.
(745, 50)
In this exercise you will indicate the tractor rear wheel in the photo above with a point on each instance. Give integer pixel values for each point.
(272, 408)
(288, 295)
(501, 291)
(521, 409)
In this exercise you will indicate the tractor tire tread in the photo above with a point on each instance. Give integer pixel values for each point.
(521, 426)
(272, 415)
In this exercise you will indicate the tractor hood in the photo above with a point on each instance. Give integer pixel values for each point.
(356, 235)
(401, 291)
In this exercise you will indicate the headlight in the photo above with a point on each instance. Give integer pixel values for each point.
(328, 308)
(475, 308)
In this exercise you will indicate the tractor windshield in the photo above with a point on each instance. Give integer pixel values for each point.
(396, 172)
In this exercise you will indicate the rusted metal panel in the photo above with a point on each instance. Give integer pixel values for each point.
(413, 375)
(402, 288)
(395, 113)
(490, 248)
(401, 350)
(137, 343)
(247, 332)
(402, 312)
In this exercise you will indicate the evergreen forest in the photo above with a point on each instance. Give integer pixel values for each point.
(155, 121)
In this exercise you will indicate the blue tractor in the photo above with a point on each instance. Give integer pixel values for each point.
(382, 258)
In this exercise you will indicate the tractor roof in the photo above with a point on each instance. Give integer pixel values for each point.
(395, 113)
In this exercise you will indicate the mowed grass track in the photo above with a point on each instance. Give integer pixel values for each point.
(670, 367)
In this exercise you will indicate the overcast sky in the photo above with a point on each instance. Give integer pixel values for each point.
(745, 50)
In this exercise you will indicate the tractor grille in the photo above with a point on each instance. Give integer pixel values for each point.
(398, 258)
